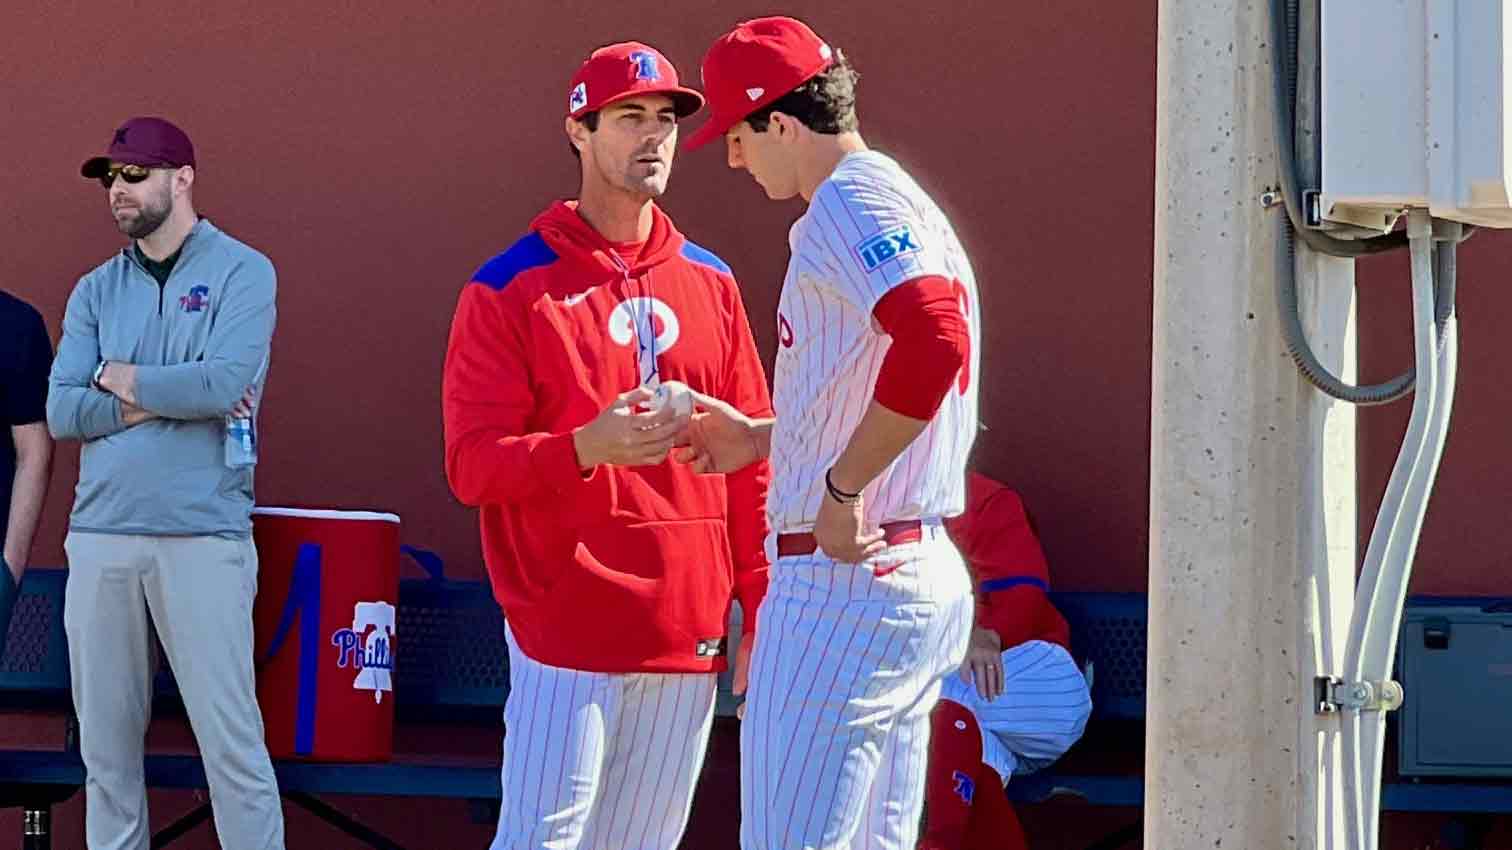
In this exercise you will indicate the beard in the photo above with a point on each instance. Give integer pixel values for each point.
(144, 220)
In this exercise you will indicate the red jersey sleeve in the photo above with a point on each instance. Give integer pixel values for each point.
(1008, 565)
(930, 339)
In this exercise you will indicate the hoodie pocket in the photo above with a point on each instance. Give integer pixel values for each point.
(666, 493)
(658, 587)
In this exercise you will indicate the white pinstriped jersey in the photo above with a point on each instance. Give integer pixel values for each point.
(868, 229)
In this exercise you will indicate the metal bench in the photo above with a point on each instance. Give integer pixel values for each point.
(453, 667)
(1110, 630)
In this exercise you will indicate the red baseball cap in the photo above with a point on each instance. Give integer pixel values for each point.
(754, 64)
(151, 142)
(624, 70)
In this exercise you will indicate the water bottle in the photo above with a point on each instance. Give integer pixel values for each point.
(241, 433)
(241, 442)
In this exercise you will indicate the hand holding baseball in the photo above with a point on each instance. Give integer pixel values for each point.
(621, 436)
(719, 437)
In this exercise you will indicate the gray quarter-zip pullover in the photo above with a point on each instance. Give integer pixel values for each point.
(197, 341)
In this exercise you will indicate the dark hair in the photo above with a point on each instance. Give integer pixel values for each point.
(825, 103)
(589, 120)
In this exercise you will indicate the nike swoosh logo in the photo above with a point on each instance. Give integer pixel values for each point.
(574, 299)
(881, 570)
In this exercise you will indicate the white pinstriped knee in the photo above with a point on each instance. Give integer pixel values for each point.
(600, 761)
(1042, 711)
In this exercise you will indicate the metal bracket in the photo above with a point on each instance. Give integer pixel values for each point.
(1312, 208)
(1347, 222)
(36, 823)
(1332, 694)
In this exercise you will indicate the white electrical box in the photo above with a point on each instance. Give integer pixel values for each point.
(1416, 111)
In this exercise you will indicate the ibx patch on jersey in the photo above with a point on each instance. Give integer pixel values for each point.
(710, 648)
(887, 245)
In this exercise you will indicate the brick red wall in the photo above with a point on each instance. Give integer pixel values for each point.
(380, 153)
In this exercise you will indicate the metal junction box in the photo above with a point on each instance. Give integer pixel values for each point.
(1456, 665)
(1415, 111)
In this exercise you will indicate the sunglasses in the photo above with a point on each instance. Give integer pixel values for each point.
(130, 173)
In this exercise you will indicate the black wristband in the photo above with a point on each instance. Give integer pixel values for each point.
(836, 493)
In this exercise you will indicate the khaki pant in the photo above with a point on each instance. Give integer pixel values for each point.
(200, 592)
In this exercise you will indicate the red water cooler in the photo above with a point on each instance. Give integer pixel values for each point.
(326, 632)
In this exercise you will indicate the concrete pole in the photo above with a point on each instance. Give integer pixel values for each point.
(1252, 471)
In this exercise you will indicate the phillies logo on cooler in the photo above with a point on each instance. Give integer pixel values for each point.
(367, 647)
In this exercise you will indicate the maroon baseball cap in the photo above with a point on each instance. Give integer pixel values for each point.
(624, 70)
(754, 64)
(151, 142)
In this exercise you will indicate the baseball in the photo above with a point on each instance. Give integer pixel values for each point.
(675, 393)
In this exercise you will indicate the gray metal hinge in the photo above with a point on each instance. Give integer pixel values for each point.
(1334, 694)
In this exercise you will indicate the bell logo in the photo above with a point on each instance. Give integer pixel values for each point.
(367, 647)
(646, 66)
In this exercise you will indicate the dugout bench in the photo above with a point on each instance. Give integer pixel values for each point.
(1104, 768)
(452, 667)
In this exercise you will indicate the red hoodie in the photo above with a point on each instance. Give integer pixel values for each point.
(620, 569)
(1008, 565)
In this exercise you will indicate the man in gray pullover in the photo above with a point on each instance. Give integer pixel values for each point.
(163, 348)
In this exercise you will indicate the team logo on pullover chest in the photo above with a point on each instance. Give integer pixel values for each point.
(647, 322)
(196, 301)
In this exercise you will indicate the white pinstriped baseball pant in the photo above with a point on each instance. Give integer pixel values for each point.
(600, 761)
(846, 670)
